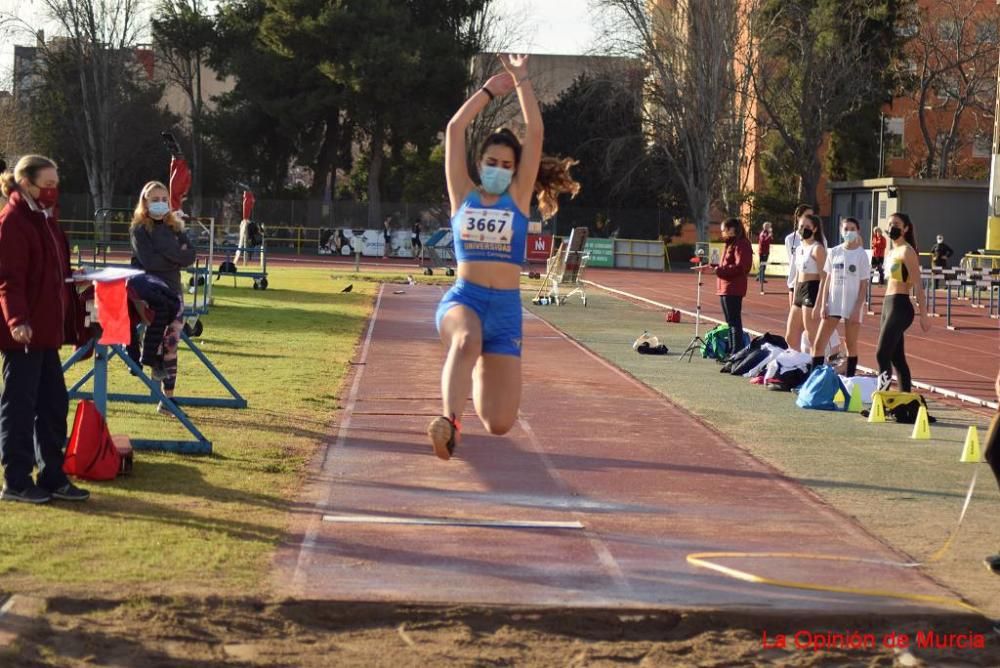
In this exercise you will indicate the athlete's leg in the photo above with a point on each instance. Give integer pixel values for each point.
(811, 327)
(793, 330)
(462, 335)
(822, 338)
(497, 391)
(853, 332)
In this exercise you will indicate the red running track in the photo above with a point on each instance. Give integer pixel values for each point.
(647, 482)
(964, 361)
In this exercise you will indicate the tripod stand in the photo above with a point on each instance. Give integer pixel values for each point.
(697, 342)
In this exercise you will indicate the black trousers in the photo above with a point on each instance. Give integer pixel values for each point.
(34, 406)
(897, 316)
(732, 310)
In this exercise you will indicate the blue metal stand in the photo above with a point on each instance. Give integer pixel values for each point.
(99, 374)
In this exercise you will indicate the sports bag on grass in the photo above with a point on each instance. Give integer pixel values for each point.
(91, 454)
(820, 389)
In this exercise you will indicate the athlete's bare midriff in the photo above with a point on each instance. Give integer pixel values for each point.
(495, 275)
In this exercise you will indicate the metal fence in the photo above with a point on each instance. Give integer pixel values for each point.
(293, 222)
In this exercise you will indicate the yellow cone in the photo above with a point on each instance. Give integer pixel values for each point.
(856, 403)
(971, 453)
(838, 398)
(922, 429)
(877, 413)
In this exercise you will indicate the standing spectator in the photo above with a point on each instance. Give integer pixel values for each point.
(161, 247)
(792, 243)
(878, 254)
(415, 242)
(387, 236)
(842, 293)
(810, 261)
(993, 458)
(764, 241)
(897, 309)
(735, 265)
(942, 252)
(38, 311)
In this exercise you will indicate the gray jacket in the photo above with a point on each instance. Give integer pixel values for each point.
(159, 252)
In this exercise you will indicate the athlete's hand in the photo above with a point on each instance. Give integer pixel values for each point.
(516, 64)
(500, 84)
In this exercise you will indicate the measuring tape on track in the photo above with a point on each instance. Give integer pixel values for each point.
(708, 560)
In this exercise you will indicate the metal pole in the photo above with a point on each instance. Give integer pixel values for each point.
(881, 144)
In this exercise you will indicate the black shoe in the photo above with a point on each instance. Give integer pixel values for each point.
(30, 494)
(993, 564)
(70, 492)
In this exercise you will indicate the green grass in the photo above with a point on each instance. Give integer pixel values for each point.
(908, 493)
(196, 523)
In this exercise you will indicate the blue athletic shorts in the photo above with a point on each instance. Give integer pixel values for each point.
(498, 310)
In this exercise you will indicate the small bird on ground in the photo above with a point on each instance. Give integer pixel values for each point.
(348, 288)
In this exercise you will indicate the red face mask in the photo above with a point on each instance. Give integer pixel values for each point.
(47, 197)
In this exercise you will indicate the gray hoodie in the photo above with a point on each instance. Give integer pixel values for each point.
(159, 252)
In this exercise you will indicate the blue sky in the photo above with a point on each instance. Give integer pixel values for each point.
(550, 26)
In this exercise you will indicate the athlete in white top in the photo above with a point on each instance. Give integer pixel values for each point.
(792, 243)
(809, 260)
(842, 292)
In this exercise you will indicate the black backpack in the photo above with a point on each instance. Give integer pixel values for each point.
(253, 234)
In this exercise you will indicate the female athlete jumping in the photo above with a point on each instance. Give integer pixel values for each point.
(479, 319)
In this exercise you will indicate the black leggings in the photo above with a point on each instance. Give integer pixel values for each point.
(732, 310)
(897, 316)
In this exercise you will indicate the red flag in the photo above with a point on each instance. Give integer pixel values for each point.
(180, 182)
(248, 201)
(112, 311)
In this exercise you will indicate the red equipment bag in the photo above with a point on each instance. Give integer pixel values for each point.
(91, 454)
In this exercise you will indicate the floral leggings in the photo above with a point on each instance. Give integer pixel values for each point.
(171, 340)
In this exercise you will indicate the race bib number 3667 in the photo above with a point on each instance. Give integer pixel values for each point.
(490, 226)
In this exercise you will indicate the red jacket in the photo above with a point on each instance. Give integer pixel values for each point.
(878, 246)
(734, 265)
(764, 241)
(34, 266)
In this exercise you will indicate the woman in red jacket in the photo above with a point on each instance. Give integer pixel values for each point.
(37, 305)
(734, 266)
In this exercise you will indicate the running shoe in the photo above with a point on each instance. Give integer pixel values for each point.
(993, 564)
(30, 494)
(70, 492)
(444, 435)
(884, 381)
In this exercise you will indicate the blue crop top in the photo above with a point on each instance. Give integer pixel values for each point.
(497, 233)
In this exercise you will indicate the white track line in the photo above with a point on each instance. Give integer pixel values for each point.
(309, 541)
(944, 392)
(422, 521)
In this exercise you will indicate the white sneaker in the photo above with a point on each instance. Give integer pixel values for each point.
(884, 382)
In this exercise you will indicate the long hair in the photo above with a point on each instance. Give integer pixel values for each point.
(735, 224)
(553, 179)
(801, 209)
(909, 232)
(818, 225)
(141, 214)
(27, 167)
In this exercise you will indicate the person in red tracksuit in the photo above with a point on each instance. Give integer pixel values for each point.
(38, 308)
(734, 266)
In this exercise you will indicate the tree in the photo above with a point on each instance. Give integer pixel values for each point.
(598, 121)
(689, 49)
(954, 54)
(139, 154)
(816, 67)
(296, 113)
(402, 66)
(100, 42)
(182, 34)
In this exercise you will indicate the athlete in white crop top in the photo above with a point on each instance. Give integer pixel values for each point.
(810, 258)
